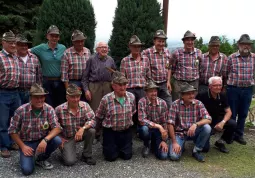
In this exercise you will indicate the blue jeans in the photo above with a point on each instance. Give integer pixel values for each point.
(24, 97)
(27, 163)
(202, 134)
(57, 92)
(239, 99)
(146, 133)
(9, 102)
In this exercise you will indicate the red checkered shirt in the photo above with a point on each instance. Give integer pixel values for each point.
(137, 72)
(185, 64)
(113, 114)
(209, 68)
(240, 70)
(9, 70)
(31, 127)
(149, 114)
(159, 62)
(182, 117)
(30, 72)
(73, 64)
(72, 123)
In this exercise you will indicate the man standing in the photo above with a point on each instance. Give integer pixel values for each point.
(185, 64)
(50, 55)
(136, 68)
(240, 74)
(159, 57)
(212, 64)
(217, 106)
(96, 80)
(188, 120)
(116, 110)
(77, 120)
(34, 127)
(9, 95)
(74, 61)
(30, 68)
(152, 114)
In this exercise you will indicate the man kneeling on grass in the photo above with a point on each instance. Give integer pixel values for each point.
(34, 127)
(188, 120)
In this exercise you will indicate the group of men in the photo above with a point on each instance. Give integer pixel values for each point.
(84, 95)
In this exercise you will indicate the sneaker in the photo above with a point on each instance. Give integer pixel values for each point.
(44, 164)
(221, 147)
(240, 140)
(198, 156)
(5, 154)
(89, 160)
(145, 152)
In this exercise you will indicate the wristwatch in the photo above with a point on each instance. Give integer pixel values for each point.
(84, 127)
(46, 140)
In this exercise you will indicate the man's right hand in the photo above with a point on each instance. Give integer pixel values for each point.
(88, 95)
(63, 142)
(27, 151)
(176, 148)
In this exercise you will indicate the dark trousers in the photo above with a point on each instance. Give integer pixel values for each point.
(117, 144)
(57, 92)
(228, 133)
(139, 93)
(164, 94)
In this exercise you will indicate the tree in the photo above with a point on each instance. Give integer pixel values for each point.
(225, 46)
(199, 45)
(142, 18)
(20, 16)
(67, 16)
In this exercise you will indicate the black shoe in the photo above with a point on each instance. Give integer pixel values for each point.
(89, 160)
(240, 140)
(145, 152)
(221, 147)
(198, 156)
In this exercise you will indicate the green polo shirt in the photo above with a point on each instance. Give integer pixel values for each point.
(50, 59)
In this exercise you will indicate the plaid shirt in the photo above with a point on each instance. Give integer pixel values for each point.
(31, 127)
(240, 70)
(73, 64)
(159, 62)
(30, 72)
(209, 68)
(137, 72)
(72, 123)
(149, 114)
(9, 70)
(113, 114)
(185, 64)
(182, 117)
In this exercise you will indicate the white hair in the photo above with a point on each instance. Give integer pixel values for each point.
(97, 45)
(211, 79)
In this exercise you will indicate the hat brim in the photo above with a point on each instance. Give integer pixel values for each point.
(54, 32)
(160, 36)
(73, 94)
(39, 94)
(27, 42)
(79, 38)
(194, 38)
(246, 42)
(133, 44)
(9, 40)
(186, 91)
(155, 87)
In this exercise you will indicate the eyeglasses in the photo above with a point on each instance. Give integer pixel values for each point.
(102, 47)
(217, 85)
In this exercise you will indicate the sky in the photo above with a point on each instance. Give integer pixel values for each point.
(205, 18)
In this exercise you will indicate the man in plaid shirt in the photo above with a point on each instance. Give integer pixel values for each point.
(152, 114)
(30, 68)
(240, 81)
(74, 61)
(78, 121)
(212, 64)
(185, 64)
(116, 110)
(159, 57)
(34, 127)
(9, 95)
(188, 120)
(136, 68)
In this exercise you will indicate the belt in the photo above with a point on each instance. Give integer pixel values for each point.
(9, 89)
(52, 78)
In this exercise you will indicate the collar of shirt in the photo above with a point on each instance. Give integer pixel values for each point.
(7, 54)
(192, 52)
(238, 54)
(115, 98)
(131, 57)
(56, 48)
(182, 102)
(30, 107)
(210, 95)
(102, 59)
(84, 51)
(149, 102)
(65, 106)
(155, 51)
(207, 54)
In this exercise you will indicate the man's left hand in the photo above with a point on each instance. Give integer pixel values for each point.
(164, 134)
(168, 85)
(192, 130)
(163, 146)
(219, 126)
(41, 147)
(79, 134)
